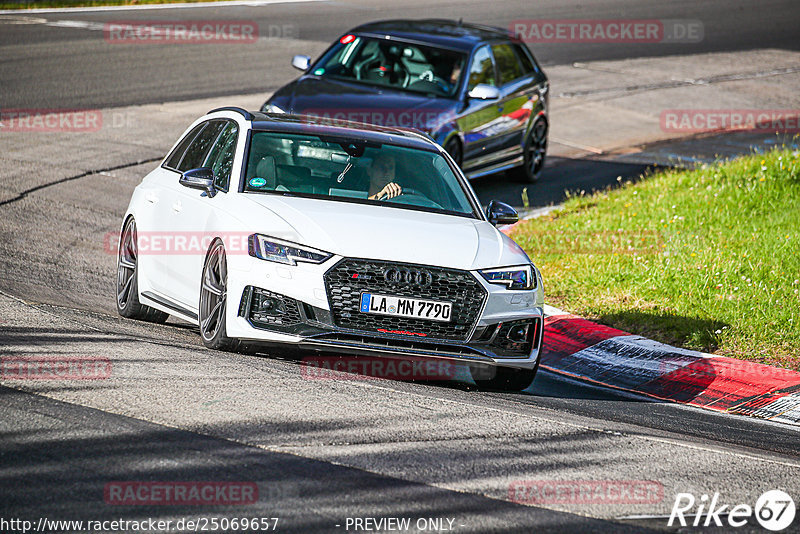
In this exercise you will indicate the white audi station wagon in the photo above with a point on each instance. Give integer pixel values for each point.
(267, 229)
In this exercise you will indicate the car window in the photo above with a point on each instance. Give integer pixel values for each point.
(403, 66)
(482, 70)
(174, 159)
(507, 63)
(349, 170)
(524, 60)
(220, 157)
(196, 153)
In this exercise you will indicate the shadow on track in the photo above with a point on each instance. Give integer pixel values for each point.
(560, 175)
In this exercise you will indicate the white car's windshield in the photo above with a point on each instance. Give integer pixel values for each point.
(363, 172)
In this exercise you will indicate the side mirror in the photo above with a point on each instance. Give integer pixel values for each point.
(483, 91)
(202, 178)
(501, 213)
(301, 62)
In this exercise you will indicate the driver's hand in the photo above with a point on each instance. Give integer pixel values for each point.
(391, 190)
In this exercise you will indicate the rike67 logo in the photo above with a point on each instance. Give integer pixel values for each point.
(774, 510)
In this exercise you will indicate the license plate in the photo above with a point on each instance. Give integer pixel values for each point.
(406, 307)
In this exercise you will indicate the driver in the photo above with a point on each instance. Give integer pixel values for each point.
(449, 84)
(381, 178)
(455, 74)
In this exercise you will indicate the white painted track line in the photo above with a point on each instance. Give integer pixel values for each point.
(183, 5)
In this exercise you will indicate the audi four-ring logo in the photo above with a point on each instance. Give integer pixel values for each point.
(408, 276)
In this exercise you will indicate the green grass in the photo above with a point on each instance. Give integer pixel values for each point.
(86, 3)
(707, 259)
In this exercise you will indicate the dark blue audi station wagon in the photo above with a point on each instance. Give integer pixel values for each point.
(476, 90)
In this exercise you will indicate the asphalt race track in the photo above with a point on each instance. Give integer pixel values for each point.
(319, 451)
(36, 71)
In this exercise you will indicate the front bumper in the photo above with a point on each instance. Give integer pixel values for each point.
(273, 303)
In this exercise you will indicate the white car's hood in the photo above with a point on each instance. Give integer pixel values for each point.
(379, 232)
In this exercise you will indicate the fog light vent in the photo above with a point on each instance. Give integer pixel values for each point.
(518, 333)
(266, 308)
(516, 336)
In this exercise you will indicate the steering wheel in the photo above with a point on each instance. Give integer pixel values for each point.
(384, 70)
(427, 75)
(418, 199)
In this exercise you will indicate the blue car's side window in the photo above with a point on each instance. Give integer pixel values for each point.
(524, 59)
(508, 65)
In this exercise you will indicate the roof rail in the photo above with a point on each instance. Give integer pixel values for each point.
(460, 22)
(485, 27)
(415, 132)
(247, 115)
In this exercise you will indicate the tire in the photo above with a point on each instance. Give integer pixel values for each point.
(453, 147)
(128, 304)
(505, 378)
(214, 301)
(534, 153)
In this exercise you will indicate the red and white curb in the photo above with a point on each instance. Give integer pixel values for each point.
(581, 349)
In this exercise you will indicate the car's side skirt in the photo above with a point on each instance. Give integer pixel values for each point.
(499, 167)
(166, 305)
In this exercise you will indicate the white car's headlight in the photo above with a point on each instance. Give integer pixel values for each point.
(272, 108)
(515, 277)
(271, 249)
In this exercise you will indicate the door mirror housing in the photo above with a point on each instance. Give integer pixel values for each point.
(483, 91)
(202, 179)
(301, 62)
(501, 213)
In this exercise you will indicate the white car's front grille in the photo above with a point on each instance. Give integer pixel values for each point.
(349, 278)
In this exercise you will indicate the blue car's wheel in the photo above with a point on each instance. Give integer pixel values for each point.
(534, 152)
(453, 147)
